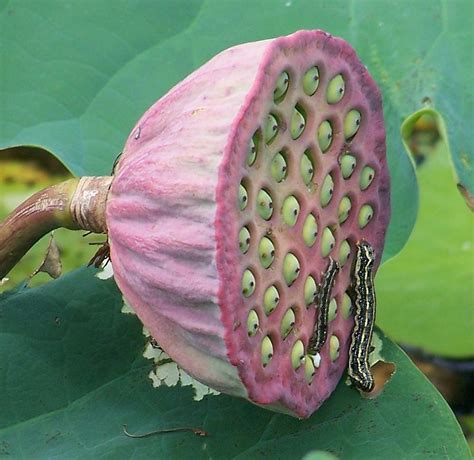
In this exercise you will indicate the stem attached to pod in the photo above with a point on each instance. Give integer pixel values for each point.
(76, 204)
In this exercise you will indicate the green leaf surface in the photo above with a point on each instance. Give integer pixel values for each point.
(77, 75)
(71, 374)
(426, 293)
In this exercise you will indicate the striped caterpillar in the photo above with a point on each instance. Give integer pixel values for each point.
(364, 318)
(321, 327)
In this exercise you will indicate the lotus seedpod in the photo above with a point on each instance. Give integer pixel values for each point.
(219, 173)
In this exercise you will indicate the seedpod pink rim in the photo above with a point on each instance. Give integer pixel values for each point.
(227, 224)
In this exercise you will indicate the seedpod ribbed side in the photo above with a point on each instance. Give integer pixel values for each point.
(232, 193)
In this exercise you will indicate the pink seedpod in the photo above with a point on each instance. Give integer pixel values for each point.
(233, 194)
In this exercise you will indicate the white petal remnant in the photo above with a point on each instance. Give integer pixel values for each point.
(167, 372)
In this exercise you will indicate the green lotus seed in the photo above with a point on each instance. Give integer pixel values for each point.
(336, 88)
(334, 348)
(365, 215)
(310, 290)
(326, 191)
(344, 252)
(252, 151)
(297, 124)
(248, 283)
(264, 205)
(306, 169)
(327, 242)
(278, 167)
(325, 135)
(266, 350)
(291, 268)
(281, 87)
(310, 230)
(271, 128)
(348, 164)
(287, 323)
(244, 240)
(266, 251)
(243, 197)
(346, 306)
(366, 177)
(309, 369)
(351, 124)
(311, 81)
(344, 209)
(332, 311)
(270, 299)
(252, 323)
(297, 355)
(290, 210)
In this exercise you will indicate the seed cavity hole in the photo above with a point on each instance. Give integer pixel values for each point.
(253, 323)
(266, 351)
(290, 210)
(309, 369)
(365, 215)
(252, 150)
(348, 164)
(332, 311)
(327, 242)
(297, 355)
(344, 252)
(271, 128)
(327, 190)
(266, 252)
(271, 298)
(334, 347)
(310, 230)
(351, 124)
(325, 136)
(366, 177)
(344, 209)
(287, 323)
(244, 240)
(281, 87)
(264, 204)
(279, 167)
(298, 122)
(310, 291)
(243, 197)
(307, 168)
(248, 283)
(346, 306)
(291, 268)
(311, 81)
(336, 89)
